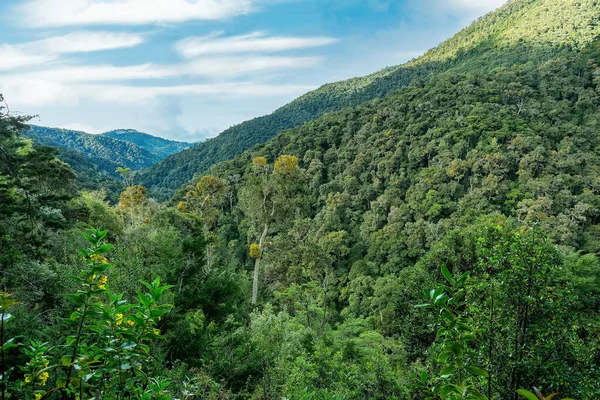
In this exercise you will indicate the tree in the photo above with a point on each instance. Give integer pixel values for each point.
(266, 198)
(203, 200)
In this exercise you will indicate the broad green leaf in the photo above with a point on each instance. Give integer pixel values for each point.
(447, 275)
(477, 371)
(527, 394)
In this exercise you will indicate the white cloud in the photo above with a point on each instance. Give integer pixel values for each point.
(38, 52)
(12, 57)
(256, 42)
(477, 5)
(83, 42)
(129, 94)
(55, 13)
(75, 126)
(35, 93)
(218, 67)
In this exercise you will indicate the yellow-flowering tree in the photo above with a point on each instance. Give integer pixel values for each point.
(265, 199)
(132, 200)
(203, 200)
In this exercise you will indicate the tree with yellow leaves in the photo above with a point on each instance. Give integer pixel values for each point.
(265, 199)
(203, 200)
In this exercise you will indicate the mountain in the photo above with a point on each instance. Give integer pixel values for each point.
(498, 39)
(104, 151)
(439, 242)
(155, 145)
(360, 209)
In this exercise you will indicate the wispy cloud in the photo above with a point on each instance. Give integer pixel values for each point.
(57, 93)
(256, 42)
(13, 57)
(216, 67)
(84, 42)
(38, 52)
(57, 13)
(476, 5)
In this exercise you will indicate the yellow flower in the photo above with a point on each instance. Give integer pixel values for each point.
(46, 362)
(119, 319)
(131, 323)
(255, 251)
(103, 279)
(100, 259)
(43, 378)
(37, 396)
(156, 332)
(27, 379)
(101, 287)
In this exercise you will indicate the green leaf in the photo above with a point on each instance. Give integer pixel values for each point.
(443, 357)
(477, 371)
(128, 345)
(527, 394)
(447, 275)
(447, 372)
(10, 344)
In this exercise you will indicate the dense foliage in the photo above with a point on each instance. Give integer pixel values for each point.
(520, 32)
(438, 243)
(155, 145)
(103, 150)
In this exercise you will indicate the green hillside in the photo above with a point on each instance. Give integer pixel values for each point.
(502, 38)
(98, 148)
(433, 235)
(159, 146)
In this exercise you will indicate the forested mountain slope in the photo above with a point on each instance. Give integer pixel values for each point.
(519, 32)
(98, 148)
(440, 242)
(368, 203)
(156, 145)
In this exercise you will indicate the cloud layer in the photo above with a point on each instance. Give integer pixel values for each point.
(256, 42)
(60, 13)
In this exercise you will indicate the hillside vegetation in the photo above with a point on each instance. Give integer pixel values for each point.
(438, 242)
(519, 32)
(114, 151)
(155, 145)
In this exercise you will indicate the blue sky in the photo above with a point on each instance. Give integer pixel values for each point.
(188, 69)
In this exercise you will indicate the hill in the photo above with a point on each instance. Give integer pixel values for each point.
(359, 209)
(155, 145)
(439, 242)
(104, 151)
(499, 39)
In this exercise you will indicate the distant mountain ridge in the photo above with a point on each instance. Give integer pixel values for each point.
(95, 158)
(123, 147)
(156, 145)
(99, 148)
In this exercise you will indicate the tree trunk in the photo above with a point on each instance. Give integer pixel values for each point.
(257, 267)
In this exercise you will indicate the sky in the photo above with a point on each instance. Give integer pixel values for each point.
(188, 69)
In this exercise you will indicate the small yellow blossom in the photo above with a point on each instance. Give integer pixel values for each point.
(255, 251)
(156, 332)
(101, 287)
(43, 378)
(37, 396)
(100, 259)
(131, 323)
(119, 319)
(27, 379)
(103, 279)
